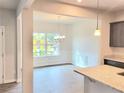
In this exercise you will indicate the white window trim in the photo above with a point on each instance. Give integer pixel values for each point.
(45, 45)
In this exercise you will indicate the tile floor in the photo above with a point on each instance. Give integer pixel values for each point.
(11, 88)
(58, 79)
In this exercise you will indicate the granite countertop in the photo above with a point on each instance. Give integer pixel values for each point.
(115, 58)
(105, 74)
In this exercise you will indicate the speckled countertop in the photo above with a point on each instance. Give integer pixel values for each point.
(118, 58)
(105, 74)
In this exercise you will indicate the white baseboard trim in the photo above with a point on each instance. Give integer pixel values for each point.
(53, 65)
(19, 80)
(10, 81)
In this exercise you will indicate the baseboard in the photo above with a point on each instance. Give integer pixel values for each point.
(9, 81)
(54, 65)
(19, 80)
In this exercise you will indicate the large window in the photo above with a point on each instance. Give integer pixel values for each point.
(44, 44)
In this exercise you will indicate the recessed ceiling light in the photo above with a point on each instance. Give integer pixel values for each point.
(79, 1)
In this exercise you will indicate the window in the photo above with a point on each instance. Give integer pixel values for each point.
(44, 44)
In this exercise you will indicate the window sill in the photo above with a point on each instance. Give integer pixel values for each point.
(47, 56)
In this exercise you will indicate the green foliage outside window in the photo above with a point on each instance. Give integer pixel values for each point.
(45, 44)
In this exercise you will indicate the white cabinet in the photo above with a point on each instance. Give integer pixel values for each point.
(92, 86)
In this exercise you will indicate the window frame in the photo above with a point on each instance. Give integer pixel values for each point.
(46, 46)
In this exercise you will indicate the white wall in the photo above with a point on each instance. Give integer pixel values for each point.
(118, 16)
(8, 19)
(19, 48)
(105, 48)
(86, 46)
(27, 57)
(65, 55)
(105, 29)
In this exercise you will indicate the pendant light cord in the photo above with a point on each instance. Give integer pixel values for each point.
(97, 14)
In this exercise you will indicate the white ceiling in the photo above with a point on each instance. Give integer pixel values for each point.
(108, 5)
(53, 18)
(9, 4)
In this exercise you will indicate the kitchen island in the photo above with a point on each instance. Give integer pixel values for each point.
(102, 79)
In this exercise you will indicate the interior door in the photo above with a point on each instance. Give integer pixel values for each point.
(7, 62)
(1, 58)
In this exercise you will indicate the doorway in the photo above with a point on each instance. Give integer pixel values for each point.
(10, 81)
(60, 44)
(11, 51)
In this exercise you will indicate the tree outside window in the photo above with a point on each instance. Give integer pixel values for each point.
(44, 44)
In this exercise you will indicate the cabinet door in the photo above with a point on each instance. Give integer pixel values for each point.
(115, 35)
(122, 35)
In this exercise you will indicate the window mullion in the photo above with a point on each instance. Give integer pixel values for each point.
(46, 44)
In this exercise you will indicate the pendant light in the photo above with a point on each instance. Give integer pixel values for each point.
(79, 1)
(97, 31)
(59, 37)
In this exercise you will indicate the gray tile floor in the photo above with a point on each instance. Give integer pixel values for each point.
(58, 79)
(11, 88)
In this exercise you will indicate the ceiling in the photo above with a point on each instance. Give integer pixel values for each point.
(53, 18)
(9, 4)
(108, 5)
